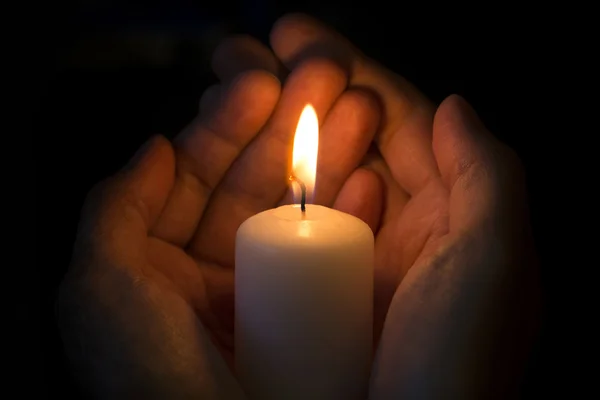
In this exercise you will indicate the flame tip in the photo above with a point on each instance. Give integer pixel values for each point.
(306, 144)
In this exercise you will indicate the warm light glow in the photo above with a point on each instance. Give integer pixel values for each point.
(306, 149)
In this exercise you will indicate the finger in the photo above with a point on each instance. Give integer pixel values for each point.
(241, 53)
(344, 140)
(345, 144)
(405, 135)
(211, 99)
(119, 212)
(208, 147)
(485, 177)
(395, 198)
(209, 290)
(362, 196)
(259, 178)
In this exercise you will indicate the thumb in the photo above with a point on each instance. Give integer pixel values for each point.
(485, 177)
(119, 212)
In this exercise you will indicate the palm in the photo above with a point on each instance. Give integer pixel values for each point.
(415, 201)
(231, 164)
(206, 290)
(407, 230)
(208, 286)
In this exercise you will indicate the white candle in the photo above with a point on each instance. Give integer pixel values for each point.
(304, 295)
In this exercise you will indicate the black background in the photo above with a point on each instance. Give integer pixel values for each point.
(122, 71)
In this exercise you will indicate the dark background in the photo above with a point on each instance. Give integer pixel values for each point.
(122, 71)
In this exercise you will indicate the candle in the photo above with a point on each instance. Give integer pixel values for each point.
(304, 293)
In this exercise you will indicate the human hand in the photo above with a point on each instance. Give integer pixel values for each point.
(456, 272)
(146, 309)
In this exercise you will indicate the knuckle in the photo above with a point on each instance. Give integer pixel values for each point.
(190, 177)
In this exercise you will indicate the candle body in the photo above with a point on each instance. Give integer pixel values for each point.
(304, 304)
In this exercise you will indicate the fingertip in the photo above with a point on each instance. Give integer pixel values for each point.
(152, 150)
(362, 108)
(246, 103)
(484, 176)
(249, 98)
(346, 134)
(256, 83)
(221, 61)
(240, 53)
(289, 23)
(317, 81)
(455, 110)
(210, 99)
(362, 196)
(130, 202)
(154, 176)
(165, 150)
(293, 23)
(296, 37)
(293, 17)
(459, 120)
(458, 138)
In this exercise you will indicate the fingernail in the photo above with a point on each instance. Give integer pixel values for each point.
(141, 154)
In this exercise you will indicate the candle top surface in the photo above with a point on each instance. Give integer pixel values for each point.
(286, 225)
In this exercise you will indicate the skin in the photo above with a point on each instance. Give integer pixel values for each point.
(146, 308)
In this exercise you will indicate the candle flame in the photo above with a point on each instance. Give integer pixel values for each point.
(306, 149)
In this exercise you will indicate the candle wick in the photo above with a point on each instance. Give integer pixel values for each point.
(303, 191)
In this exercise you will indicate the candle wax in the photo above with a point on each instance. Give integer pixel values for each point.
(304, 304)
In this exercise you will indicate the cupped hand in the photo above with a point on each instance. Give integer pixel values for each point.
(146, 309)
(456, 273)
